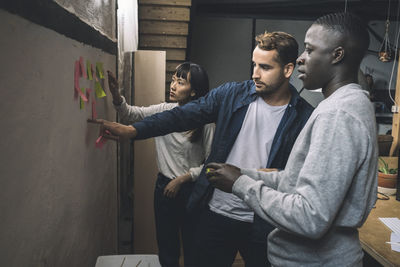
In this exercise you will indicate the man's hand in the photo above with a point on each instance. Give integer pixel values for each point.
(116, 129)
(114, 88)
(222, 175)
(268, 170)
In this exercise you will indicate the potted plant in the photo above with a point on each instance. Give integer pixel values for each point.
(386, 176)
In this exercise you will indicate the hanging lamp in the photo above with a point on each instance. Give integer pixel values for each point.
(385, 53)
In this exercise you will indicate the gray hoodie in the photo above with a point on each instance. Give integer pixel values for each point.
(326, 190)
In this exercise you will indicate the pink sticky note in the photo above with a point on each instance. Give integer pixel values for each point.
(88, 91)
(76, 80)
(93, 72)
(82, 95)
(82, 64)
(94, 113)
(101, 140)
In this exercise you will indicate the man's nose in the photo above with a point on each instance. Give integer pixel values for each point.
(300, 60)
(256, 73)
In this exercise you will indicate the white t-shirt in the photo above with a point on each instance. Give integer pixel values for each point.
(250, 150)
(176, 155)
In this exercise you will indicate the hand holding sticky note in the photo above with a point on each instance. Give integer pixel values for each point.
(118, 131)
(102, 139)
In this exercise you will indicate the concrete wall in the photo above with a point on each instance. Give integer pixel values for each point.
(58, 193)
(100, 14)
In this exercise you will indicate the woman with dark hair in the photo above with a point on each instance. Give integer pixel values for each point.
(180, 158)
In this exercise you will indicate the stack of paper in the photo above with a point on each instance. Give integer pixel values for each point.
(394, 225)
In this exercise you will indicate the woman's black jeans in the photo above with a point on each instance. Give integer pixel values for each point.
(171, 219)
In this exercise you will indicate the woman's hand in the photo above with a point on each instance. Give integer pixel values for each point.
(114, 88)
(173, 187)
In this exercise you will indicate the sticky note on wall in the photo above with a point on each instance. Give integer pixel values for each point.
(81, 101)
(89, 70)
(99, 90)
(99, 67)
(76, 79)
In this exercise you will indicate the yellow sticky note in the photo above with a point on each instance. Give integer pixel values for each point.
(99, 67)
(81, 102)
(99, 90)
(89, 70)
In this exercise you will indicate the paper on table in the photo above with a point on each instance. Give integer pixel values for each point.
(392, 223)
(395, 238)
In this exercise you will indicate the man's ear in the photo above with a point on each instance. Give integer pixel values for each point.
(338, 54)
(288, 70)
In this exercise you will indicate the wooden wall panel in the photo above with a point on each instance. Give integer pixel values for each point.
(168, 76)
(162, 41)
(166, 2)
(164, 13)
(171, 65)
(176, 54)
(163, 27)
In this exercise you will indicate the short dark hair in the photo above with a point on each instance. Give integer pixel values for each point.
(197, 76)
(282, 42)
(353, 29)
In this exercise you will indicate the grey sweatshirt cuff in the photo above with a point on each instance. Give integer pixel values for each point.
(250, 172)
(242, 186)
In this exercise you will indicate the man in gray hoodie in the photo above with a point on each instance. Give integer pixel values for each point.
(328, 186)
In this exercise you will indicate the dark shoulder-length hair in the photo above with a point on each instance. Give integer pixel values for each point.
(197, 76)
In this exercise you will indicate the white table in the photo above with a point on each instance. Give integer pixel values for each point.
(128, 261)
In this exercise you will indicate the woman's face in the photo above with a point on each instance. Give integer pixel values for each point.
(180, 90)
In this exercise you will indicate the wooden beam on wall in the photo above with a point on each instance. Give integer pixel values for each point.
(163, 27)
(166, 2)
(171, 65)
(176, 54)
(163, 41)
(164, 13)
(394, 149)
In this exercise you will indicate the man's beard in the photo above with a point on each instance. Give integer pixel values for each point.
(270, 89)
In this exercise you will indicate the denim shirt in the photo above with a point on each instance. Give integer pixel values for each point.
(226, 105)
